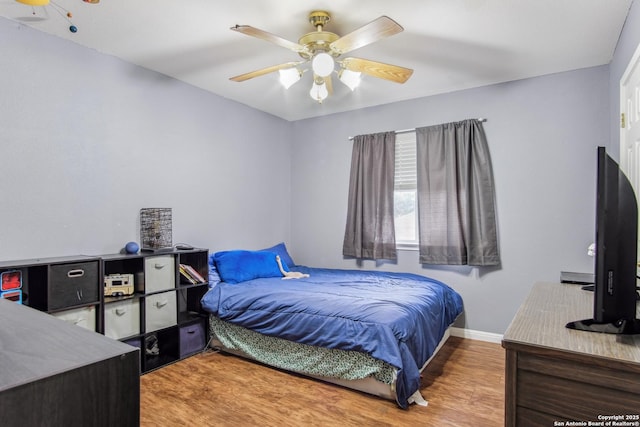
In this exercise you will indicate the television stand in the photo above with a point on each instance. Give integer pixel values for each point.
(621, 327)
(553, 373)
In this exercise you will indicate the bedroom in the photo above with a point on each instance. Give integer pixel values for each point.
(88, 140)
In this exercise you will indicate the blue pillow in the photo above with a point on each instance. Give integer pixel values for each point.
(240, 265)
(214, 277)
(281, 250)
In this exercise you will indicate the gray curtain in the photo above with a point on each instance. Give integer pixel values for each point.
(456, 200)
(370, 231)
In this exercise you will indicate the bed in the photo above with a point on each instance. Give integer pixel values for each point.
(372, 331)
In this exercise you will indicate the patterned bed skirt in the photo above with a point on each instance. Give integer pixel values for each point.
(301, 358)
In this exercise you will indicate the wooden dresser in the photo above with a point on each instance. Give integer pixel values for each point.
(56, 374)
(555, 375)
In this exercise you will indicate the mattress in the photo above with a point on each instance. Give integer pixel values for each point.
(396, 318)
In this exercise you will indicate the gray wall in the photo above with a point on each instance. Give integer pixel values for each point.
(542, 134)
(86, 140)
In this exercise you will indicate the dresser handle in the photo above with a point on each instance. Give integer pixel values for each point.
(120, 311)
(161, 304)
(159, 266)
(75, 273)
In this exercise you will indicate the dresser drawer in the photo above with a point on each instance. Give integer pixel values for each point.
(160, 311)
(73, 284)
(122, 319)
(192, 338)
(568, 388)
(160, 273)
(85, 317)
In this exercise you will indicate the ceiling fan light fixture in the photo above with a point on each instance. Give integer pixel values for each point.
(351, 79)
(289, 76)
(34, 2)
(319, 92)
(322, 64)
(321, 50)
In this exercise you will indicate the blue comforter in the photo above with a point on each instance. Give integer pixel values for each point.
(396, 317)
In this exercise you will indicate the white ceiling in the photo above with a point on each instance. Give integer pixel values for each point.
(450, 44)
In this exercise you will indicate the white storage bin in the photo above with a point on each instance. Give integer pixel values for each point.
(122, 319)
(85, 317)
(159, 273)
(160, 311)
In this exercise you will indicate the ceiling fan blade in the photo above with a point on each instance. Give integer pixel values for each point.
(263, 71)
(380, 70)
(255, 32)
(367, 34)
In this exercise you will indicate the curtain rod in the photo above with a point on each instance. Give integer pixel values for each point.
(414, 129)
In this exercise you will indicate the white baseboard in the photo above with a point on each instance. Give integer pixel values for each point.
(476, 335)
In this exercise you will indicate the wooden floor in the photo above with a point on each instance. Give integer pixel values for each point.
(464, 385)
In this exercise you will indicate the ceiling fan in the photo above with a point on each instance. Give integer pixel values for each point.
(324, 50)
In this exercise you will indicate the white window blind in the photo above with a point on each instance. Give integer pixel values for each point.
(405, 174)
(405, 189)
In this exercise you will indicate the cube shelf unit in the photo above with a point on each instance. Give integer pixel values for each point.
(163, 317)
(66, 287)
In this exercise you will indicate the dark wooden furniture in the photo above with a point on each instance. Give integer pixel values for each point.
(555, 374)
(67, 287)
(56, 374)
(164, 317)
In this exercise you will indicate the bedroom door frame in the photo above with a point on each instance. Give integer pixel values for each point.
(630, 122)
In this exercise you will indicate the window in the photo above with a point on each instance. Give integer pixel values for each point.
(455, 172)
(405, 189)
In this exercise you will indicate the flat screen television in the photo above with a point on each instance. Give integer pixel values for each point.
(614, 308)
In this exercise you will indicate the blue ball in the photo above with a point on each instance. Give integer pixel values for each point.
(131, 248)
(73, 29)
